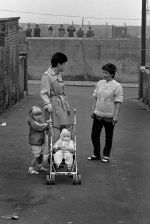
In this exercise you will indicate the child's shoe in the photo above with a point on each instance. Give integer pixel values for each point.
(43, 169)
(32, 171)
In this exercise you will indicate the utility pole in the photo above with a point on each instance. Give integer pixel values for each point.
(143, 47)
(82, 21)
(106, 32)
(143, 34)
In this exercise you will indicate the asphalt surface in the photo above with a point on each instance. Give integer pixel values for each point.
(114, 193)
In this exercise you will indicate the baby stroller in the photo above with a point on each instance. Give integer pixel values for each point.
(53, 171)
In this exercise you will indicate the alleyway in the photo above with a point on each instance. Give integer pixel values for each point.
(114, 193)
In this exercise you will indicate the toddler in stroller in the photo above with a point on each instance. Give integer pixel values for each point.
(64, 149)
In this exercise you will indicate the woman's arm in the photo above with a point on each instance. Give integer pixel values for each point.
(45, 92)
(94, 100)
(117, 101)
(116, 113)
(67, 105)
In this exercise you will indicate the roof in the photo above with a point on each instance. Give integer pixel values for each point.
(9, 19)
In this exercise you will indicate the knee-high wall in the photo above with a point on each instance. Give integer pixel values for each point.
(86, 57)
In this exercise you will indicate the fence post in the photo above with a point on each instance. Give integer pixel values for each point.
(140, 84)
(25, 55)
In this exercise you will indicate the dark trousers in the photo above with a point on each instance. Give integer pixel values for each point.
(95, 136)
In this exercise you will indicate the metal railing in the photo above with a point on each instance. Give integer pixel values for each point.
(144, 85)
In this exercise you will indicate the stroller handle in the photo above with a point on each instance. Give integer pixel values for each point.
(75, 120)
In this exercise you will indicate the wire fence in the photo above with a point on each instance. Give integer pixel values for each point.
(12, 86)
(144, 85)
(13, 69)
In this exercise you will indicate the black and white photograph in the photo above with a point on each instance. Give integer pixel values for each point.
(74, 112)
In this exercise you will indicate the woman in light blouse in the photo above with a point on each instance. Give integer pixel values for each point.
(108, 96)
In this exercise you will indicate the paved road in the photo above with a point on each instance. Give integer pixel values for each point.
(114, 193)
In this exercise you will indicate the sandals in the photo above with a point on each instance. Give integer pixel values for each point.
(92, 157)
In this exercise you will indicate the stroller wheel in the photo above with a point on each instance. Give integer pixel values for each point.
(47, 179)
(50, 179)
(79, 178)
(74, 179)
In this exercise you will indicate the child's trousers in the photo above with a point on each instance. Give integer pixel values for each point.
(60, 155)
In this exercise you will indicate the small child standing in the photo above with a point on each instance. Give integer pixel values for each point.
(36, 138)
(64, 148)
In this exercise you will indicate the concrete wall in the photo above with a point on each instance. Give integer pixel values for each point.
(86, 57)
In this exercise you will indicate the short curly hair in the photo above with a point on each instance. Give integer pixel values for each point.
(58, 58)
(111, 68)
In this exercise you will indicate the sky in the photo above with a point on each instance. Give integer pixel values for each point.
(99, 12)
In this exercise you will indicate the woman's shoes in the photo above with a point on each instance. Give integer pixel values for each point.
(105, 159)
(92, 157)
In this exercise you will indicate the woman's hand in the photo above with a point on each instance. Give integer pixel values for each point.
(115, 118)
(49, 108)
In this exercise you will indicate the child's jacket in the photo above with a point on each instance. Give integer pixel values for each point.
(36, 132)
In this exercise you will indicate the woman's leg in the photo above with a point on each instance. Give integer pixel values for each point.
(95, 136)
(109, 128)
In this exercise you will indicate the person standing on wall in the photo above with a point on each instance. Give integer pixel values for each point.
(50, 31)
(108, 96)
(61, 31)
(29, 31)
(80, 32)
(90, 32)
(71, 30)
(53, 95)
(37, 31)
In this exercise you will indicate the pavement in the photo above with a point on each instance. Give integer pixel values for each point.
(84, 83)
(114, 193)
